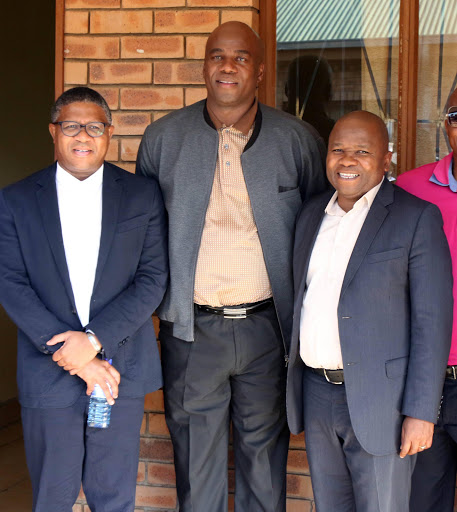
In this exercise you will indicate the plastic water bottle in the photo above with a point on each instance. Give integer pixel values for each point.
(99, 414)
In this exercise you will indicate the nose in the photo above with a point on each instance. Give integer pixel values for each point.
(348, 159)
(83, 136)
(228, 66)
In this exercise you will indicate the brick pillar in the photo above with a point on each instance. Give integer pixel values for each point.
(145, 57)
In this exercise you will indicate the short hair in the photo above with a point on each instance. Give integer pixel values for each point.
(79, 95)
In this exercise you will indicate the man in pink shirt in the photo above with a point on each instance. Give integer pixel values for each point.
(433, 483)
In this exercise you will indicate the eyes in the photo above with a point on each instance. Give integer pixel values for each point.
(220, 58)
(339, 151)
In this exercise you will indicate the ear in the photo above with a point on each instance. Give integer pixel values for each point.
(52, 131)
(110, 131)
(387, 160)
(260, 73)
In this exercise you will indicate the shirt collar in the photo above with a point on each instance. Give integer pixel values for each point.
(442, 174)
(333, 208)
(65, 179)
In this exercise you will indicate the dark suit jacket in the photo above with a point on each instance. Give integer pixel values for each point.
(130, 281)
(394, 316)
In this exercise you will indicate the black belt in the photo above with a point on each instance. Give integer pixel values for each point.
(240, 311)
(332, 376)
(451, 372)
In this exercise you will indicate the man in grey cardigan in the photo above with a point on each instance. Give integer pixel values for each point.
(233, 174)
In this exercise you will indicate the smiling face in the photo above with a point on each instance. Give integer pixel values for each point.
(81, 155)
(233, 67)
(357, 156)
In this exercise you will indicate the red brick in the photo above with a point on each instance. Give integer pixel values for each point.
(75, 73)
(194, 94)
(120, 72)
(133, 123)
(143, 425)
(231, 480)
(100, 4)
(152, 98)
(152, 47)
(153, 3)
(129, 149)
(111, 96)
(297, 441)
(156, 449)
(251, 18)
(161, 474)
(154, 401)
(186, 21)
(178, 72)
(88, 47)
(299, 486)
(113, 150)
(157, 425)
(297, 462)
(299, 506)
(195, 47)
(124, 22)
(141, 475)
(223, 3)
(76, 22)
(158, 115)
(160, 497)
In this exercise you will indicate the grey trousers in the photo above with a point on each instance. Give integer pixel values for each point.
(234, 370)
(346, 478)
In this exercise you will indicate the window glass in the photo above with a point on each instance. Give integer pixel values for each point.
(437, 76)
(334, 57)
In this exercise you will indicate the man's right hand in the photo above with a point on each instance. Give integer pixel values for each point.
(102, 373)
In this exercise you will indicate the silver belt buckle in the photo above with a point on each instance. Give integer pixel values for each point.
(328, 380)
(235, 313)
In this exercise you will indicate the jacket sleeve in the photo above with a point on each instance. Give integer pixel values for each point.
(314, 178)
(17, 295)
(124, 315)
(431, 302)
(144, 162)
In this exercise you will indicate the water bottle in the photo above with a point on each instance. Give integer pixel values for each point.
(99, 409)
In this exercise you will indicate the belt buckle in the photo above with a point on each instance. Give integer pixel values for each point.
(234, 313)
(453, 372)
(330, 381)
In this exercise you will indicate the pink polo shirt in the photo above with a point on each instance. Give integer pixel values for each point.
(431, 182)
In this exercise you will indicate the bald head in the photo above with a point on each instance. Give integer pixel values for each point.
(236, 30)
(367, 119)
(451, 130)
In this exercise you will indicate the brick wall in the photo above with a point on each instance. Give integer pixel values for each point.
(145, 57)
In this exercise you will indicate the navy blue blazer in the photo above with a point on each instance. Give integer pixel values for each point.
(130, 280)
(394, 316)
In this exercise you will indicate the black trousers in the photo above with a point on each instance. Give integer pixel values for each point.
(234, 370)
(433, 483)
(62, 452)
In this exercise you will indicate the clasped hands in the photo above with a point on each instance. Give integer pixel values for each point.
(78, 357)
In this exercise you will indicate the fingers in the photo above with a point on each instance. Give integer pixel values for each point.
(115, 374)
(404, 449)
(107, 390)
(58, 338)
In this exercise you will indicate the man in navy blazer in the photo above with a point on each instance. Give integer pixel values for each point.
(372, 326)
(83, 265)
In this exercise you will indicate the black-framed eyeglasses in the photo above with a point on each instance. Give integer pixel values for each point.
(451, 116)
(72, 128)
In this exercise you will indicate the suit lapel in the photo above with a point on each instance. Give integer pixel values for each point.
(112, 193)
(49, 209)
(370, 228)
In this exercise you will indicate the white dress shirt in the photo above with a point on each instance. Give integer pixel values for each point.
(319, 336)
(80, 209)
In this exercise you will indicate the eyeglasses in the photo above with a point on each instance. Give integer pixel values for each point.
(72, 128)
(452, 116)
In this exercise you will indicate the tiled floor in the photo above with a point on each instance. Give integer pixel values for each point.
(15, 488)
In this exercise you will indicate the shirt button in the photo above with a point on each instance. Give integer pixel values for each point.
(227, 164)
(226, 146)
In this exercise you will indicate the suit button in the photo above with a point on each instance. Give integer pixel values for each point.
(44, 348)
(74, 312)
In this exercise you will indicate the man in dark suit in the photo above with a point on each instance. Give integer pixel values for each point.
(372, 326)
(83, 264)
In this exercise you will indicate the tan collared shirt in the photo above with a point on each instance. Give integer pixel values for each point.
(320, 345)
(230, 267)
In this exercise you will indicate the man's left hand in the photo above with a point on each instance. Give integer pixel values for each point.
(416, 436)
(75, 352)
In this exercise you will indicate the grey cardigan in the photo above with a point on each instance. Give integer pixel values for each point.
(282, 165)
